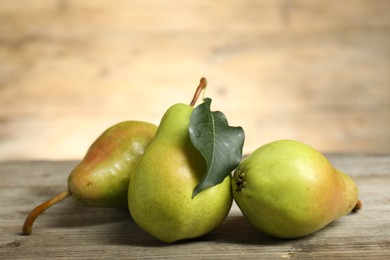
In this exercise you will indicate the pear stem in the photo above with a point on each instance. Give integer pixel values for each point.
(199, 89)
(358, 206)
(28, 223)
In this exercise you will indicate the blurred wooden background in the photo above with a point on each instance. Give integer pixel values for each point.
(315, 71)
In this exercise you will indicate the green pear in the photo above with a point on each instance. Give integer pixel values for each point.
(102, 177)
(288, 189)
(160, 190)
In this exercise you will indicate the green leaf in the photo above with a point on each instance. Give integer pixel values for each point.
(220, 144)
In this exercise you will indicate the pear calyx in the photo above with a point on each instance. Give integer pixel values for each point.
(358, 206)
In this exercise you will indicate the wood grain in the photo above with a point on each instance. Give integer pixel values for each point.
(74, 232)
(313, 71)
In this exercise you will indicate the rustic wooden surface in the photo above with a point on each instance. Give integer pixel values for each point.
(316, 71)
(71, 231)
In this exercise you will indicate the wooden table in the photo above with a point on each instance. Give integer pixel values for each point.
(71, 231)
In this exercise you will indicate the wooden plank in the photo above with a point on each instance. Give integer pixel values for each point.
(308, 70)
(71, 231)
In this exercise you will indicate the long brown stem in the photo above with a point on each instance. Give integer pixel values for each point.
(202, 86)
(27, 227)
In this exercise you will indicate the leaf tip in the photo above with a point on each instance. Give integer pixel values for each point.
(195, 192)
